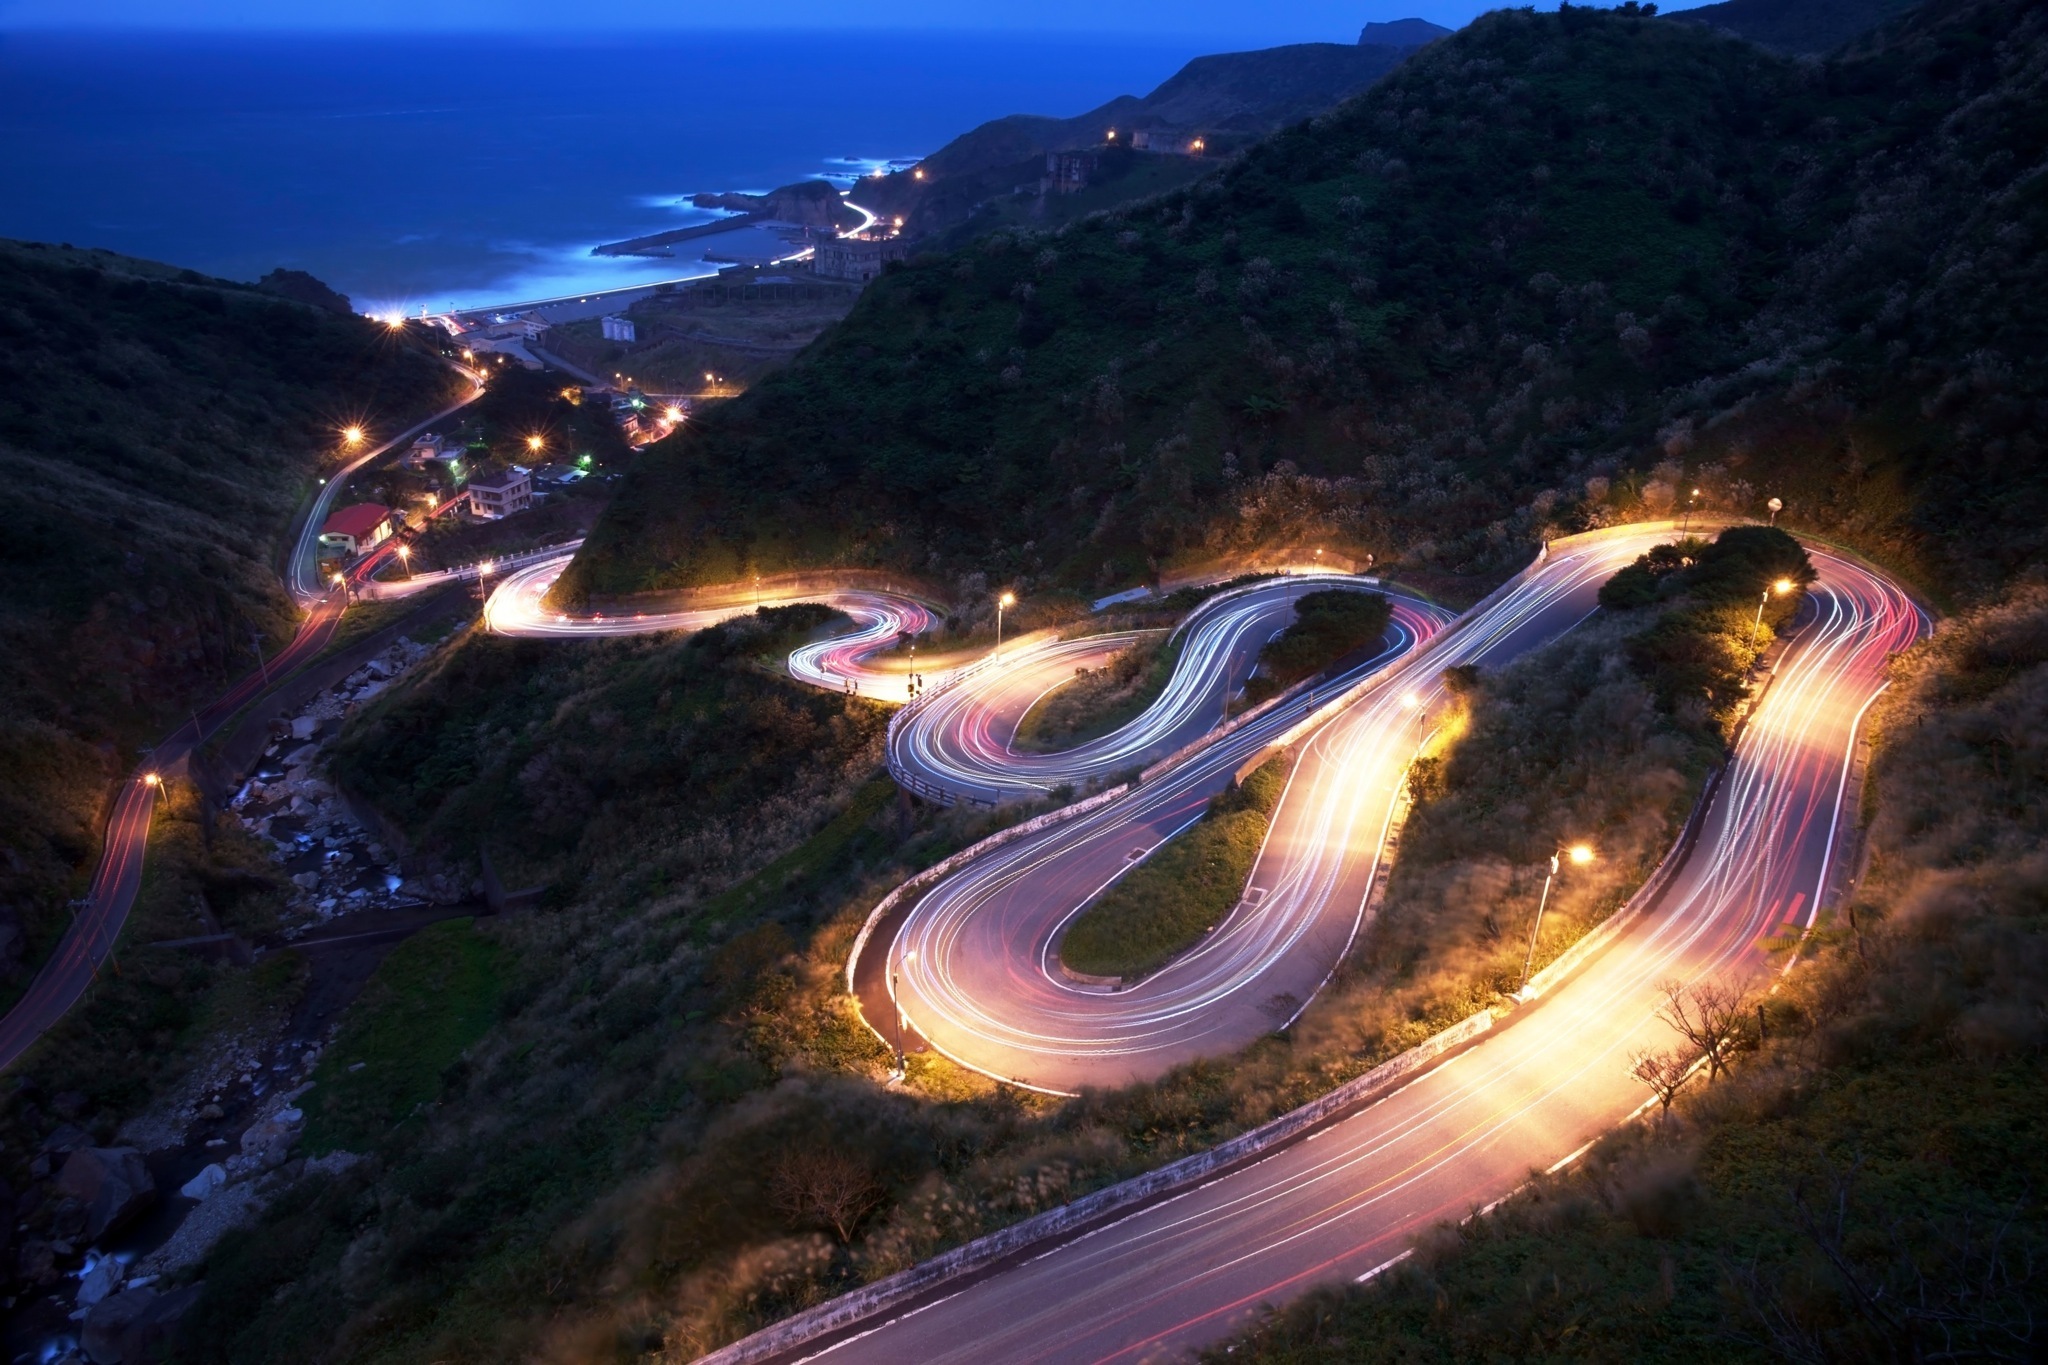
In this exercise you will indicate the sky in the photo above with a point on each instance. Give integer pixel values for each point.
(1256, 23)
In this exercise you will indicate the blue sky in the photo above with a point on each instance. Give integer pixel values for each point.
(1252, 23)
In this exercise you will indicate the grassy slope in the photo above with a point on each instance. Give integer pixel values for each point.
(1100, 699)
(1174, 897)
(1547, 250)
(1905, 1079)
(157, 429)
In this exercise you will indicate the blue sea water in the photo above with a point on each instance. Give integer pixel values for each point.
(451, 169)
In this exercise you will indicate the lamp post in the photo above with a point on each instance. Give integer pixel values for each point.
(405, 558)
(1776, 505)
(1685, 524)
(896, 1004)
(1578, 853)
(1781, 587)
(1008, 599)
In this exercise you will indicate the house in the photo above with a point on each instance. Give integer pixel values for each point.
(856, 258)
(431, 447)
(495, 496)
(619, 329)
(356, 528)
(1066, 172)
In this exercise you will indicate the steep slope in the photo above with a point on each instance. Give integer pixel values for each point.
(1555, 268)
(156, 430)
(1804, 28)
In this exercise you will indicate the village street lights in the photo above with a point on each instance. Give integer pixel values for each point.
(352, 436)
(1008, 599)
(1578, 853)
(1776, 505)
(405, 558)
(533, 444)
(1781, 587)
(1685, 524)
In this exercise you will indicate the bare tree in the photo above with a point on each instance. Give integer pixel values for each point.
(1664, 1072)
(823, 1187)
(1710, 1016)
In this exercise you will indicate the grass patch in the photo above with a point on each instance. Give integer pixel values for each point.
(1167, 903)
(1098, 700)
(434, 996)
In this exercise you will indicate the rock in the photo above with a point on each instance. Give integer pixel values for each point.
(211, 1112)
(101, 1280)
(130, 1327)
(68, 1137)
(38, 1262)
(313, 789)
(69, 1104)
(301, 756)
(305, 881)
(375, 689)
(269, 1140)
(112, 1184)
(305, 727)
(205, 1183)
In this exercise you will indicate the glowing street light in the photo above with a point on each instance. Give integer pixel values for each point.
(1580, 854)
(1776, 505)
(1686, 522)
(405, 558)
(1781, 587)
(917, 174)
(533, 443)
(1008, 599)
(674, 414)
(152, 780)
(352, 435)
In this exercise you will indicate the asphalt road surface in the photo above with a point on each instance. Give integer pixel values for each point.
(1528, 1096)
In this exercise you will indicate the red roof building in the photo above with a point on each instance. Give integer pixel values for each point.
(357, 528)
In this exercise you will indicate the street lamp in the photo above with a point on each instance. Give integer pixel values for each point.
(896, 1004)
(533, 443)
(1686, 523)
(1776, 505)
(1579, 854)
(405, 558)
(1781, 587)
(674, 414)
(352, 435)
(1008, 599)
(152, 780)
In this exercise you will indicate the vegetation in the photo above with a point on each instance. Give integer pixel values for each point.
(153, 1011)
(1603, 738)
(1167, 903)
(157, 428)
(1542, 277)
(1327, 626)
(434, 996)
(1860, 1186)
(1099, 699)
(628, 770)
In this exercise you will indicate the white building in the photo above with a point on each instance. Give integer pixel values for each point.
(495, 496)
(619, 329)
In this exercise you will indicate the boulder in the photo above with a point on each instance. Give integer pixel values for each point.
(305, 881)
(205, 1183)
(133, 1326)
(269, 1140)
(305, 727)
(112, 1184)
(301, 756)
(38, 1262)
(101, 1281)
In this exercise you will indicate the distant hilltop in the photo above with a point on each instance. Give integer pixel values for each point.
(1402, 33)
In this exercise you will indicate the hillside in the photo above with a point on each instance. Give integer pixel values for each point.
(157, 428)
(1228, 99)
(1693, 262)
(1800, 27)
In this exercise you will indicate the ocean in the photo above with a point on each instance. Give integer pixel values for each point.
(453, 170)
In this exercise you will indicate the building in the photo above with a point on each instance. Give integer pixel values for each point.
(619, 329)
(1066, 172)
(495, 496)
(856, 258)
(432, 447)
(356, 528)
(1172, 144)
